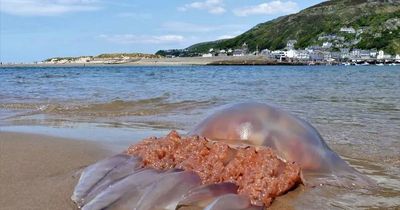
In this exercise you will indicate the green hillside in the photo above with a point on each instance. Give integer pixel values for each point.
(377, 23)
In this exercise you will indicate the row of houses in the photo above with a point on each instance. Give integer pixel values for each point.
(322, 55)
(312, 53)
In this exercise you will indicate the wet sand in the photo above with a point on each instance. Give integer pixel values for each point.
(39, 172)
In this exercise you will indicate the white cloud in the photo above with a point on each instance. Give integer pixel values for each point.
(187, 27)
(268, 8)
(178, 26)
(134, 15)
(212, 6)
(46, 7)
(142, 39)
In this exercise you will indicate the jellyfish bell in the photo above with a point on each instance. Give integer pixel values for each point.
(293, 139)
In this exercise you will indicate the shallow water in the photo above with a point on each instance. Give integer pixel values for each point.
(356, 109)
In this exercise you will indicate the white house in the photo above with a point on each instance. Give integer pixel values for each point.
(373, 53)
(83, 59)
(303, 55)
(222, 53)
(279, 54)
(238, 52)
(207, 55)
(290, 44)
(381, 55)
(291, 53)
(327, 45)
(265, 52)
(349, 30)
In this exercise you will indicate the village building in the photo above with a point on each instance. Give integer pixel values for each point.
(345, 53)
(327, 56)
(365, 54)
(327, 45)
(313, 48)
(373, 53)
(316, 55)
(291, 53)
(245, 48)
(279, 54)
(265, 52)
(303, 55)
(222, 53)
(207, 55)
(349, 30)
(290, 44)
(238, 52)
(382, 56)
(337, 56)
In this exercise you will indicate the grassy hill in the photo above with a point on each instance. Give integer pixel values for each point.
(378, 20)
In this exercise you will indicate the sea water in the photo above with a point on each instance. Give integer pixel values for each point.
(355, 108)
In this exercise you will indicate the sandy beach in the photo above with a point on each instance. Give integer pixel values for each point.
(39, 172)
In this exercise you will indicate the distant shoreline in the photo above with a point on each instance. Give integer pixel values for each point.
(250, 60)
(178, 61)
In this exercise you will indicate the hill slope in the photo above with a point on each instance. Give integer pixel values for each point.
(378, 20)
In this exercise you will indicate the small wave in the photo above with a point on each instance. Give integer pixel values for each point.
(49, 76)
(116, 108)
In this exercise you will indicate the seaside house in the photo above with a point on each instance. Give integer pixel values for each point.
(373, 53)
(291, 53)
(349, 30)
(279, 54)
(331, 37)
(245, 49)
(313, 48)
(327, 56)
(355, 53)
(327, 45)
(99, 60)
(382, 56)
(85, 59)
(298, 55)
(339, 45)
(290, 44)
(222, 53)
(345, 53)
(337, 56)
(302, 55)
(207, 55)
(365, 54)
(266, 52)
(316, 55)
(238, 52)
(327, 37)
(229, 52)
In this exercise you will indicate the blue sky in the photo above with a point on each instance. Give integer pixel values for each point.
(32, 30)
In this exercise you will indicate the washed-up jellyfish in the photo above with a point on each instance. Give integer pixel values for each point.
(291, 137)
(241, 157)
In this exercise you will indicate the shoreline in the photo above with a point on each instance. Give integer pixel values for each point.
(40, 172)
(178, 61)
(250, 60)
